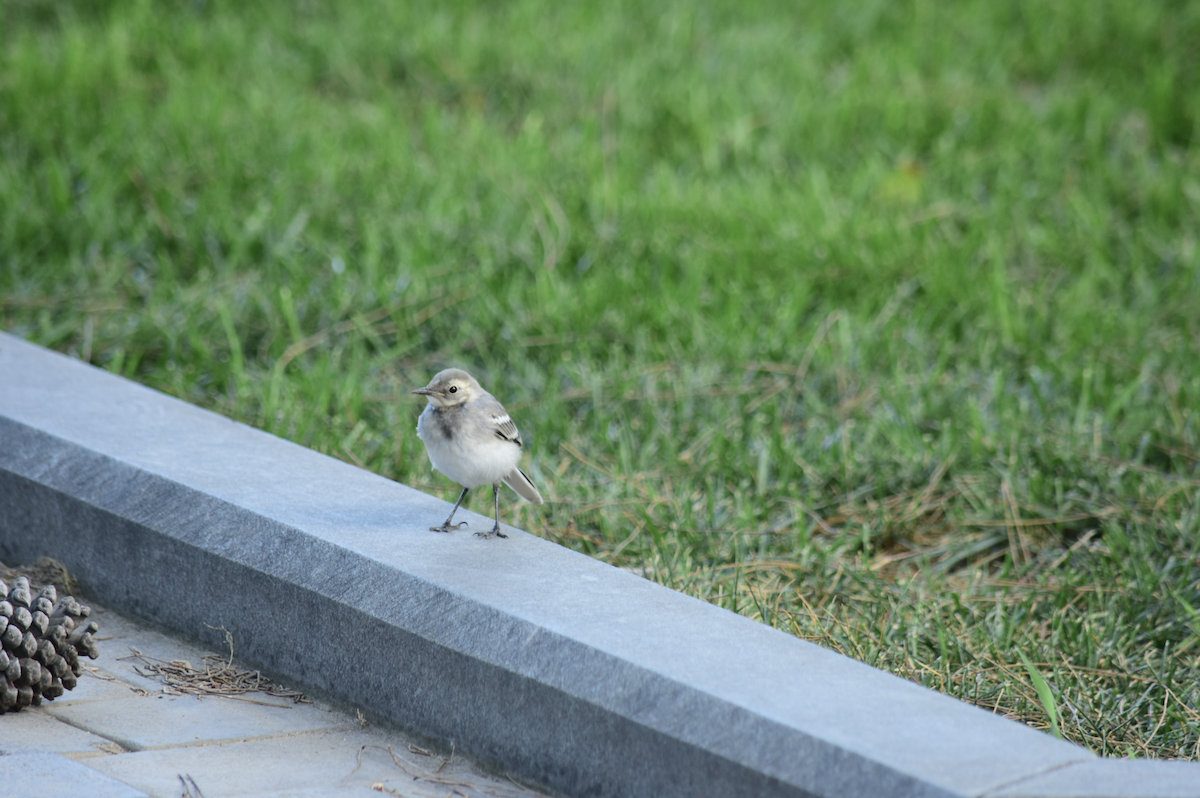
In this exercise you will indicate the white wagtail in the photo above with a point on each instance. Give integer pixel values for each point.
(471, 439)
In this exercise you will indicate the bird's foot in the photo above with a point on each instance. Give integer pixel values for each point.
(446, 527)
(495, 533)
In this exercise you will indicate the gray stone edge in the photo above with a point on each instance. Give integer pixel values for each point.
(1109, 778)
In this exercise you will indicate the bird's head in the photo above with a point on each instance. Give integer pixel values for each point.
(450, 387)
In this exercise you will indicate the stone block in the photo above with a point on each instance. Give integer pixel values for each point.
(296, 764)
(33, 730)
(47, 775)
(158, 720)
(1111, 778)
(336, 792)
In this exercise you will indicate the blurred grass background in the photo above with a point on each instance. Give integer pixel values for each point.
(879, 323)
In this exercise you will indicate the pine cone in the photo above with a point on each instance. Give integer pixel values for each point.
(41, 641)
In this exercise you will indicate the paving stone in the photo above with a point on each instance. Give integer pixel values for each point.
(296, 764)
(45, 775)
(123, 638)
(34, 730)
(321, 792)
(153, 721)
(531, 657)
(99, 684)
(1111, 778)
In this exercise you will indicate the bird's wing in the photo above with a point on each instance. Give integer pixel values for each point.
(499, 421)
(506, 429)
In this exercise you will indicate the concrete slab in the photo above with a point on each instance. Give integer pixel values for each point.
(538, 660)
(1111, 778)
(121, 638)
(158, 720)
(120, 672)
(33, 730)
(318, 792)
(299, 763)
(98, 684)
(47, 775)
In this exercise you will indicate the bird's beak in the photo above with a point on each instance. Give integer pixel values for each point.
(425, 392)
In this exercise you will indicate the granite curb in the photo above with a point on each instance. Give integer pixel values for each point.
(543, 663)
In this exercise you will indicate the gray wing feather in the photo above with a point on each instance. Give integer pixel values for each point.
(498, 419)
(523, 486)
(506, 429)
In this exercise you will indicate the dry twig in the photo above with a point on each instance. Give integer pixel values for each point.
(218, 677)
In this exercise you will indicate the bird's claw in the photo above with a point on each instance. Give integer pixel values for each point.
(446, 527)
(495, 533)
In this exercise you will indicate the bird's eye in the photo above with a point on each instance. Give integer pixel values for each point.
(453, 389)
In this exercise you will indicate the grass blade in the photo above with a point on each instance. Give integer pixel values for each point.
(1044, 693)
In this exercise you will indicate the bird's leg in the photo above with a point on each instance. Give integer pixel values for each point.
(446, 527)
(495, 533)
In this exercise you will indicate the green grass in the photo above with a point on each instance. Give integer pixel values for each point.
(879, 324)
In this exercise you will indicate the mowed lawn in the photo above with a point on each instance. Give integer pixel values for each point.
(876, 322)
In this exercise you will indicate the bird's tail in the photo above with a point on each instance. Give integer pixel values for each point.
(523, 485)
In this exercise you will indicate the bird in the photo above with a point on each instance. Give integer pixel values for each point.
(470, 438)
